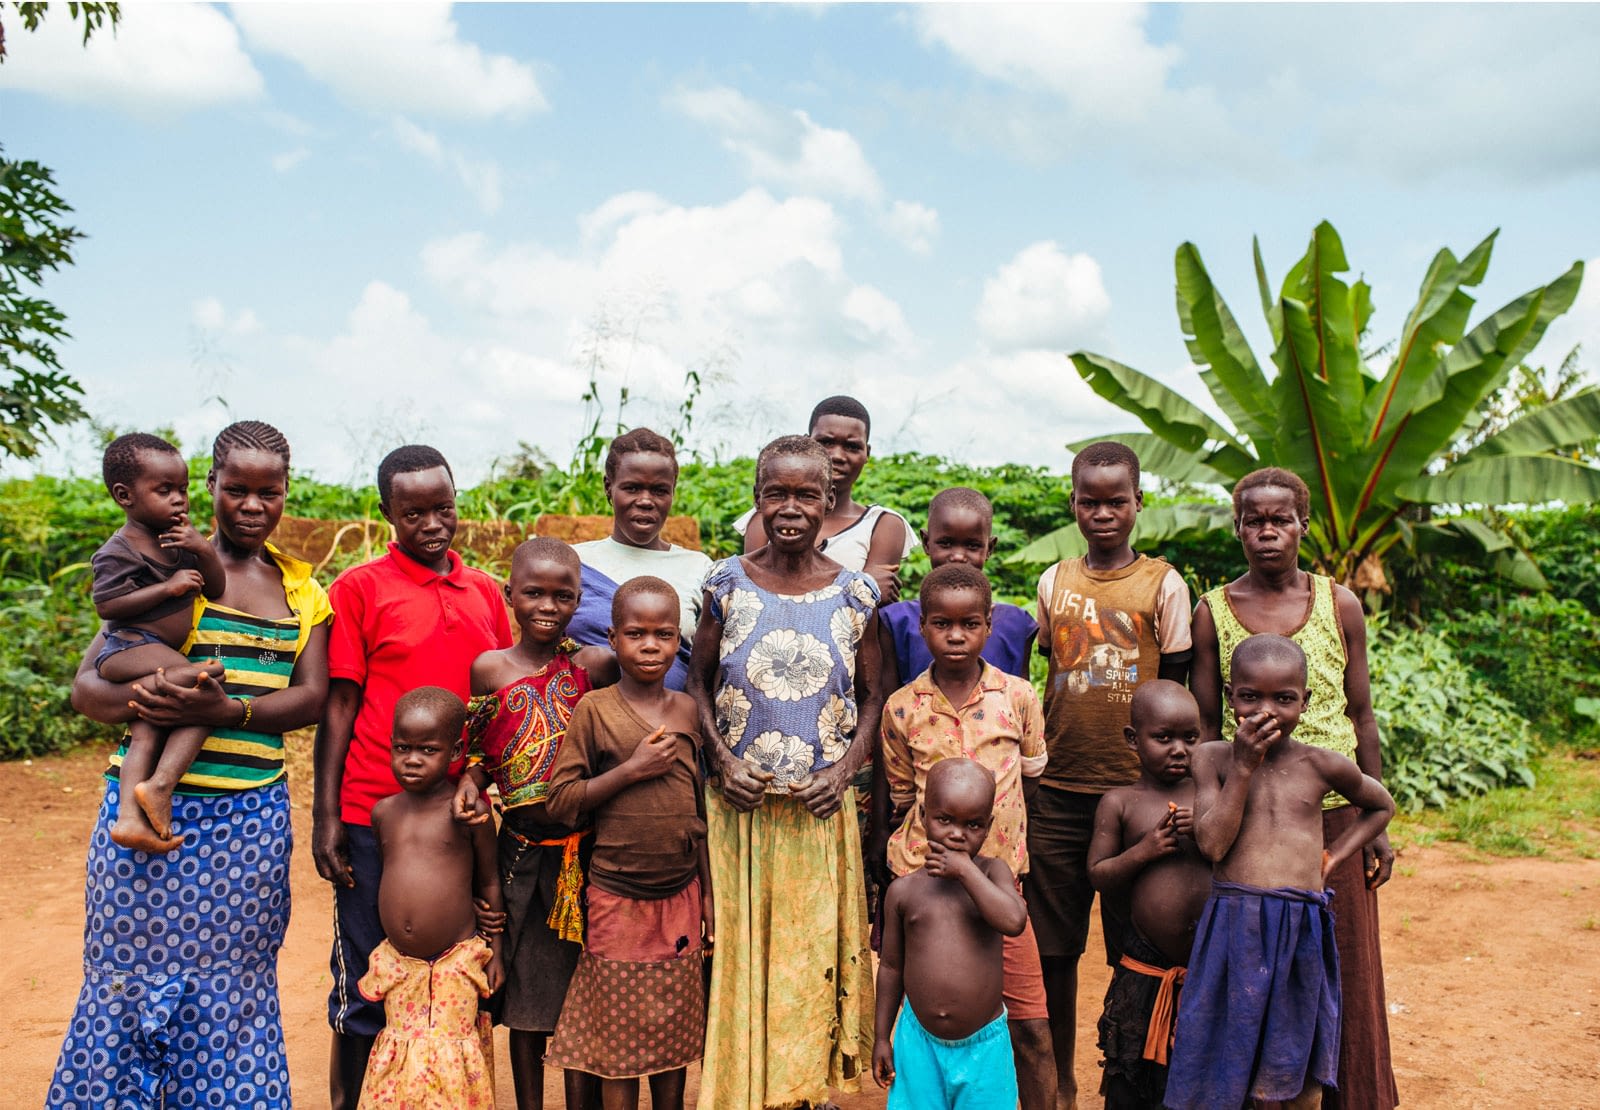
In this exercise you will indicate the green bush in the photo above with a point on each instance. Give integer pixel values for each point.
(1541, 652)
(48, 625)
(1445, 731)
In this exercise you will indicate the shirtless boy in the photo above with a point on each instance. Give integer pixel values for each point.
(1259, 1019)
(943, 926)
(1144, 849)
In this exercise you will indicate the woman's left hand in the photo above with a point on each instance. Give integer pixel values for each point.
(1377, 861)
(167, 704)
(821, 792)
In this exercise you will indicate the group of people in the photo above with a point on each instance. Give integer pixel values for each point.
(674, 817)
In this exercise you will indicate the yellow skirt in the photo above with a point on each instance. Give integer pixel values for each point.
(791, 1006)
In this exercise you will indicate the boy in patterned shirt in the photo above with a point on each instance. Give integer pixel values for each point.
(964, 706)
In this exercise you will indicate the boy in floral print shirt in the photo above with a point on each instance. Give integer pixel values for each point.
(963, 706)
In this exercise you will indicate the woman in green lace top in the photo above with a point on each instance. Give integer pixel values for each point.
(1271, 508)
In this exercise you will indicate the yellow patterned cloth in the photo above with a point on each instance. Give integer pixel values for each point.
(791, 1005)
(432, 1053)
(1324, 723)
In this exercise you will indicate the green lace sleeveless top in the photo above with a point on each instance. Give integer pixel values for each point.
(1325, 723)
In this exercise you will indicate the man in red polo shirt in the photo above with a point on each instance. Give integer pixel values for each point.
(413, 617)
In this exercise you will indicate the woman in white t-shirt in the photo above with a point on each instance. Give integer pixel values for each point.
(868, 538)
(641, 479)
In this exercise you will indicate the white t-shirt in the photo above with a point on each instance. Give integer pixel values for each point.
(849, 548)
(683, 569)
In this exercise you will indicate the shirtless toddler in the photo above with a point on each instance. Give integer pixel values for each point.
(1144, 851)
(942, 951)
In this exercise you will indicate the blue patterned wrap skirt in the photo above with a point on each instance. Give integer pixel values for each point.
(179, 1005)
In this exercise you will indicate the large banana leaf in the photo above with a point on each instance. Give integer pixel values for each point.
(1565, 423)
(1475, 368)
(1314, 281)
(1314, 437)
(1164, 411)
(1218, 347)
(1506, 480)
(1157, 456)
(1156, 525)
(1466, 538)
(1438, 319)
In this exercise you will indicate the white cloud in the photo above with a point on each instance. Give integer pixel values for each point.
(915, 225)
(395, 57)
(783, 146)
(209, 314)
(1094, 55)
(289, 159)
(160, 59)
(480, 178)
(1044, 298)
(875, 318)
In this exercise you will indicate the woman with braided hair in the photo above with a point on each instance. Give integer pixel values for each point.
(179, 1005)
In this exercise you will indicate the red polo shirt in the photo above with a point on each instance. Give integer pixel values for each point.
(397, 626)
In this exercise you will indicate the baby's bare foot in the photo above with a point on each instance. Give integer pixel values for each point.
(135, 833)
(156, 803)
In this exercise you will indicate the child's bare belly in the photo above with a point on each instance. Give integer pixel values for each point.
(422, 917)
(952, 977)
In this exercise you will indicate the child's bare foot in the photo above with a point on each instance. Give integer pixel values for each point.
(156, 802)
(133, 831)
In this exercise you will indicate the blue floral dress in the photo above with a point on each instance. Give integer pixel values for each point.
(786, 679)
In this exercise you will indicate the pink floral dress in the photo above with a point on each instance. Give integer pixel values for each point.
(434, 1053)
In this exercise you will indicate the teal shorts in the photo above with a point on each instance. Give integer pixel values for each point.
(930, 1073)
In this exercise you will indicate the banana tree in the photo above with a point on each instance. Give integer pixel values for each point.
(1376, 445)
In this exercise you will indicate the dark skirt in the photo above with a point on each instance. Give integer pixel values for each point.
(1260, 1009)
(1366, 1073)
(538, 963)
(179, 1005)
(1129, 1079)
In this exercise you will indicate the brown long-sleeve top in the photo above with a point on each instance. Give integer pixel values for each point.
(645, 837)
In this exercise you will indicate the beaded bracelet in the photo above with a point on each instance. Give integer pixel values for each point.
(249, 704)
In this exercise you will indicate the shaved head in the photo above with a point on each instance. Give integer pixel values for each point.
(1160, 696)
(547, 548)
(1265, 649)
(959, 777)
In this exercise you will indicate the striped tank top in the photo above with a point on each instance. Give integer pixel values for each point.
(1324, 724)
(258, 656)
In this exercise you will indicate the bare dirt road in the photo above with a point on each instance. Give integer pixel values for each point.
(1493, 965)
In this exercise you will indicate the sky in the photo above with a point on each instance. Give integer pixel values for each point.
(375, 224)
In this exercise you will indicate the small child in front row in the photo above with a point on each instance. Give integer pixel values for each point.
(630, 763)
(432, 967)
(962, 705)
(523, 697)
(1259, 1019)
(1144, 850)
(146, 577)
(942, 943)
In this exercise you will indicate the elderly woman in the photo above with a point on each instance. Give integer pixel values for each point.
(1271, 510)
(179, 1005)
(641, 479)
(785, 635)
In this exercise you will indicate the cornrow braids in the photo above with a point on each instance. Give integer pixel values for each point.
(639, 441)
(248, 435)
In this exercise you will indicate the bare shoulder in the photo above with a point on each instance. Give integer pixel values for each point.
(593, 658)
(487, 670)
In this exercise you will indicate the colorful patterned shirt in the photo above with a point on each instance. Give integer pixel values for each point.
(1000, 725)
(516, 732)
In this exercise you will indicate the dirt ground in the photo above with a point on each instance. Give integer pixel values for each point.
(1493, 965)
